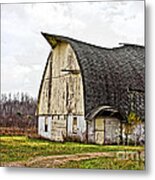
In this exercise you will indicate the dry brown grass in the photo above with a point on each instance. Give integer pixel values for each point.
(15, 131)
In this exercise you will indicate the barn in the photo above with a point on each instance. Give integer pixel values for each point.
(88, 91)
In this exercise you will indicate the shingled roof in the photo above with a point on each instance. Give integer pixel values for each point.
(111, 76)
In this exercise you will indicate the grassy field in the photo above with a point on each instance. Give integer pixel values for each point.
(21, 148)
(104, 163)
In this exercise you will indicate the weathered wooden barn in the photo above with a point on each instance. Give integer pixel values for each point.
(89, 91)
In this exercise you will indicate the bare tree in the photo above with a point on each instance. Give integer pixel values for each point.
(18, 111)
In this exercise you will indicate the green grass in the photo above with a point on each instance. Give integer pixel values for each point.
(105, 163)
(21, 148)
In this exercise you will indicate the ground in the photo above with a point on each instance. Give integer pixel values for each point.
(21, 151)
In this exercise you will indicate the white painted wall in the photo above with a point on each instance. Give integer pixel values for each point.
(81, 125)
(91, 132)
(41, 127)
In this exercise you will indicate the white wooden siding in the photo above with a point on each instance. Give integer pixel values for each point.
(41, 127)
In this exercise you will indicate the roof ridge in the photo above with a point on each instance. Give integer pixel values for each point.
(61, 37)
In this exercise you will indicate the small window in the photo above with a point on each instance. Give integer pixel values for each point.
(46, 125)
(75, 125)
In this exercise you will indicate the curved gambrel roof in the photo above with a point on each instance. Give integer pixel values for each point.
(112, 77)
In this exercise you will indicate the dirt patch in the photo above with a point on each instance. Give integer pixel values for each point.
(52, 161)
(56, 160)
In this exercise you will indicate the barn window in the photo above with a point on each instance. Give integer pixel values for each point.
(75, 125)
(46, 125)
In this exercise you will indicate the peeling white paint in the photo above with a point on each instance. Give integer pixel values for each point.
(81, 125)
(54, 133)
(110, 133)
(41, 127)
(91, 132)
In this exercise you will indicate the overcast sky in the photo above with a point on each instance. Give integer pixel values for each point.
(24, 51)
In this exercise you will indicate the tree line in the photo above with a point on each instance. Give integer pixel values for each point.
(18, 110)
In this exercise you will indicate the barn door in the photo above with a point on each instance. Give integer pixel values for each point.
(99, 131)
(112, 131)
